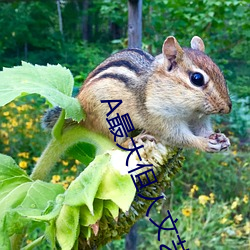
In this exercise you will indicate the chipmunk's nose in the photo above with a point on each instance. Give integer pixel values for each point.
(227, 108)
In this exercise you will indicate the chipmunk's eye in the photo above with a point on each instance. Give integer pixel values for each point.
(197, 79)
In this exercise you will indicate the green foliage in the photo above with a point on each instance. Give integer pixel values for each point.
(210, 198)
(204, 223)
(223, 25)
(25, 200)
(19, 198)
(30, 32)
(52, 82)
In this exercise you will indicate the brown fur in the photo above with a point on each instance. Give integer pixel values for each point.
(158, 95)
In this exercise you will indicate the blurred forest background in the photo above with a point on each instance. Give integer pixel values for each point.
(210, 197)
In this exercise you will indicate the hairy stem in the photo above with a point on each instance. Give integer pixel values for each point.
(57, 147)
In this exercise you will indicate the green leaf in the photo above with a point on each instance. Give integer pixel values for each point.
(4, 240)
(14, 198)
(53, 82)
(58, 127)
(9, 184)
(26, 202)
(13, 223)
(48, 215)
(50, 234)
(86, 231)
(39, 194)
(67, 226)
(83, 152)
(112, 208)
(20, 197)
(9, 168)
(86, 218)
(83, 189)
(118, 188)
(34, 243)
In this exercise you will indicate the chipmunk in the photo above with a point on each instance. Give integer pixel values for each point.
(169, 97)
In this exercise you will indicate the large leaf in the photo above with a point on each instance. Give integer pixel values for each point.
(83, 189)
(83, 152)
(39, 194)
(9, 168)
(21, 199)
(112, 208)
(102, 180)
(118, 188)
(6, 186)
(53, 82)
(86, 218)
(67, 226)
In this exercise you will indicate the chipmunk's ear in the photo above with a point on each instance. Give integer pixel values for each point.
(197, 43)
(172, 50)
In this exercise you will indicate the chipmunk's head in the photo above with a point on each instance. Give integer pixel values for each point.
(195, 76)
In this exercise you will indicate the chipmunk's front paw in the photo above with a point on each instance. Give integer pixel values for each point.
(139, 139)
(217, 142)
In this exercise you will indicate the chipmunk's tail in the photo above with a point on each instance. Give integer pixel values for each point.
(50, 117)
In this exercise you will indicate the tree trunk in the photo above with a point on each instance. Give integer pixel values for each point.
(135, 23)
(131, 238)
(85, 20)
(59, 16)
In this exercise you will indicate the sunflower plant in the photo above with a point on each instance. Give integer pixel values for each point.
(100, 204)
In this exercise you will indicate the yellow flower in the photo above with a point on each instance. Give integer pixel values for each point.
(192, 190)
(234, 152)
(245, 199)
(223, 235)
(203, 199)
(23, 164)
(223, 220)
(187, 211)
(4, 134)
(23, 107)
(24, 155)
(235, 203)
(12, 105)
(55, 178)
(6, 113)
(197, 242)
(238, 159)
(29, 124)
(35, 159)
(65, 163)
(70, 178)
(238, 218)
(65, 185)
(77, 162)
(73, 168)
(238, 233)
(6, 149)
(14, 123)
(247, 227)
(211, 195)
(225, 164)
(6, 141)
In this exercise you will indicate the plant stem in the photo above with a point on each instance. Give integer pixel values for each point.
(57, 147)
